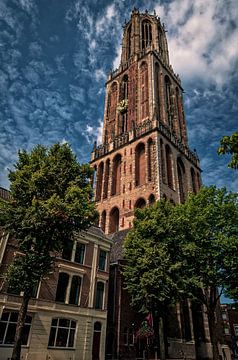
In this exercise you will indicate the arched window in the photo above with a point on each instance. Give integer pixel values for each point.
(112, 101)
(124, 87)
(96, 340)
(169, 165)
(129, 42)
(151, 199)
(181, 180)
(106, 179)
(179, 113)
(144, 91)
(116, 175)
(157, 88)
(123, 126)
(94, 177)
(99, 181)
(62, 333)
(140, 203)
(193, 181)
(140, 164)
(146, 34)
(162, 161)
(168, 99)
(103, 220)
(150, 159)
(114, 220)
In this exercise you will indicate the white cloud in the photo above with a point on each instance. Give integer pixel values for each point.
(202, 41)
(117, 60)
(99, 132)
(104, 21)
(100, 74)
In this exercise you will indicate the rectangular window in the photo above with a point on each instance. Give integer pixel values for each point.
(67, 250)
(8, 325)
(102, 260)
(79, 253)
(62, 287)
(99, 295)
(75, 290)
(62, 333)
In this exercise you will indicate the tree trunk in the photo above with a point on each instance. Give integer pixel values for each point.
(161, 339)
(16, 353)
(213, 334)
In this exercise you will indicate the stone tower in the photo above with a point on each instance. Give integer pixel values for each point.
(144, 157)
(144, 154)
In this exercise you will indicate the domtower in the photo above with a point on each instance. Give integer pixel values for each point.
(144, 154)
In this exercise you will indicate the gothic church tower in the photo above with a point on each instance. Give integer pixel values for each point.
(144, 154)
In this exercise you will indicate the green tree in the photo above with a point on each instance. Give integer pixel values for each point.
(229, 145)
(209, 245)
(153, 266)
(188, 249)
(51, 197)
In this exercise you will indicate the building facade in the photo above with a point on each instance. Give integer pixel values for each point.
(144, 157)
(67, 314)
(144, 154)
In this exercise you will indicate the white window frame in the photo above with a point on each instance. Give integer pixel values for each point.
(62, 327)
(104, 293)
(69, 288)
(7, 322)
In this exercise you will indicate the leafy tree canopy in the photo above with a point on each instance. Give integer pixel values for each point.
(153, 265)
(229, 145)
(210, 243)
(51, 197)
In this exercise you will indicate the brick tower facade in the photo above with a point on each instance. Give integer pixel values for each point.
(144, 154)
(144, 157)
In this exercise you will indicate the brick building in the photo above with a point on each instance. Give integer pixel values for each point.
(67, 315)
(144, 157)
(229, 314)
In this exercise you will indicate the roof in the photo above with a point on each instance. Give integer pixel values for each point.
(117, 242)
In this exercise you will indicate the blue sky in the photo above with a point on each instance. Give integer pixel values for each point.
(56, 54)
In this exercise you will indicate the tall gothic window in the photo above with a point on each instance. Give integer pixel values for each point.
(168, 99)
(150, 159)
(114, 220)
(123, 117)
(124, 87)
(129, 42)
(144, 91)
(157, 89)
(106, 179)
(99, 181)
(116, 175)
(146, 34)
(169, 165)
(181, 180)
(162, 161)
(140, 164)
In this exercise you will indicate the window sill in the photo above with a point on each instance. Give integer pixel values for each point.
(11, 346)
(60, 348)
